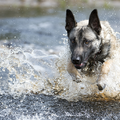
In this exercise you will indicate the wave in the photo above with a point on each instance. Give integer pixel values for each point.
(35, 72)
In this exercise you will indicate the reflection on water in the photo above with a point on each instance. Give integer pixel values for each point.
(33, 66)
(21, 11)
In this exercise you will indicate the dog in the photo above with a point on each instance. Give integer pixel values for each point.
(92, 43)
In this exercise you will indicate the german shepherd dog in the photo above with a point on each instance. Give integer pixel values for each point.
(91, 42)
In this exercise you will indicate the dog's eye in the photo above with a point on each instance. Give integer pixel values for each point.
(73, 40)
(86, 42)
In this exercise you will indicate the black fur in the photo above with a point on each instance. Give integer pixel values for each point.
(90, 44)
(70, 21)
(86, 43)
(94, 22)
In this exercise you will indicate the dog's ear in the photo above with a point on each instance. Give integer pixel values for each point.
(94, 21)
(70, 21)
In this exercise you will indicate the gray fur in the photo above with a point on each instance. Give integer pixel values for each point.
(78, 36)
(91, 41)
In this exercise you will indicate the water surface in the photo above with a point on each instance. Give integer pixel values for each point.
(32, 83)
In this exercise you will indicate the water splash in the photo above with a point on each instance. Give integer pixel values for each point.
(34, 71)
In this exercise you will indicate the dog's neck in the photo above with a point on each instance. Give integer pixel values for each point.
(103, 52)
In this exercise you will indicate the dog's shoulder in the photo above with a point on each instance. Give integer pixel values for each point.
(108, 36)
(107, 30)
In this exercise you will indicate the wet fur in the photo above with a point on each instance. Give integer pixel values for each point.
(101, 48)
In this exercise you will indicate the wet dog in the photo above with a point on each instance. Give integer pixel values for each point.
(91, 42)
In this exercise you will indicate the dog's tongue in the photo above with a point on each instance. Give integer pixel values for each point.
(81, 64)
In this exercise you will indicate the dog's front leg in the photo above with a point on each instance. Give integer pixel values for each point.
(74, 73)
(103, 74)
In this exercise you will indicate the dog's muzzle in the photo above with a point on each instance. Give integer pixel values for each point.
(77, 62)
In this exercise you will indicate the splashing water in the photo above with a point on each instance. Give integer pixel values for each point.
(34, 71)
(33, 77)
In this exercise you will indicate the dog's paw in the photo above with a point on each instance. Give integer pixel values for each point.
(77, 79)
(101, 87)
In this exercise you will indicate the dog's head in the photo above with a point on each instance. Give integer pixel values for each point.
(84, 39)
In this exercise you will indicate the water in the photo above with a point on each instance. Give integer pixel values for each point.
(34, 82)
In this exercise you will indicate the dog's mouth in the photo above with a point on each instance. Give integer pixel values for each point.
(80, 66)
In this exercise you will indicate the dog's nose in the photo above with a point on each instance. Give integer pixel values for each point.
(101, 87)
(76, 60)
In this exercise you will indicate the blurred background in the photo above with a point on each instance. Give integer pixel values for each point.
(40, 23)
